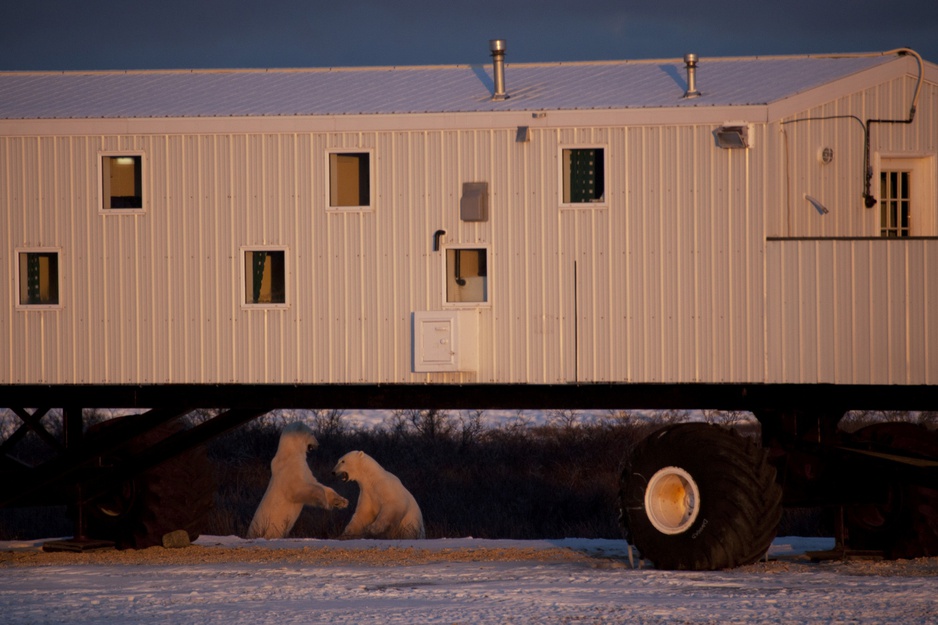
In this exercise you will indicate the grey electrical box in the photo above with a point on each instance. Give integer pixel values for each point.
(474, 204)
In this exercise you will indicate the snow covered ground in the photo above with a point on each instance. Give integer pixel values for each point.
(596, 584)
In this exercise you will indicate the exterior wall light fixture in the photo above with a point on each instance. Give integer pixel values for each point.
(732, 136)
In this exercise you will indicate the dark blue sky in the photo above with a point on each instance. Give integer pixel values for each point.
(143, 34)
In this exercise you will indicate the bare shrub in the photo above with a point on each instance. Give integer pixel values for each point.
(515, 481)
(929, 418)
(669, 417)
(856, 419)
(565, 419)
(431, 424)
(327, 423)
(727, 418)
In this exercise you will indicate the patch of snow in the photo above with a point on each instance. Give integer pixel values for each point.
(788, 590)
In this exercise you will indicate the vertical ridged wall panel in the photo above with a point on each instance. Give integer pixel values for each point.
(839, 185)
(597, 294)
(670, 280)
(852, 312)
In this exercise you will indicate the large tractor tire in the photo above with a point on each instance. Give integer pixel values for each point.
(699, 497)
(138, 511)
(904, 521)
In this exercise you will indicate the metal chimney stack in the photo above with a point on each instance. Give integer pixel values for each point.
(690, 61)
(497, 46)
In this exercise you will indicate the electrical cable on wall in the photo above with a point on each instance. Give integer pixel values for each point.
(868, 198)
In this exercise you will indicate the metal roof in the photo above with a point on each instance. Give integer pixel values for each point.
(395, 90)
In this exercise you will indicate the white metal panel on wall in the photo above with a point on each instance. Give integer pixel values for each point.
(839, 184)
(852, 311)
(682, 244)
(663, 282)
(651, 286)
(621, 299)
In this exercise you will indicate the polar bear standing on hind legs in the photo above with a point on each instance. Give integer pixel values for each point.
(291, 486)
(385, 508)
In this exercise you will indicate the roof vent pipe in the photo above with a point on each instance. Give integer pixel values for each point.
(497, 46)
(690, 61)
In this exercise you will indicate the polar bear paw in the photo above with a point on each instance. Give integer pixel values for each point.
(335, 500)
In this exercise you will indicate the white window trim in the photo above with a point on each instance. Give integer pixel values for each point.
(327, 176)
(16, 281)
(245, 305)
(488, 262)
(923, 165)
(143, 184)
(560, 177)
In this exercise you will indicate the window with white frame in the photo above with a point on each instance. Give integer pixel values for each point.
(38, 278)
(895, 199)
(122, 182)
(583, 176)
(907, 196)
(467, 275)
(350, 180)
(265, 277)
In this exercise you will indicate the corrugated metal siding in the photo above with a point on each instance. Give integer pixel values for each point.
(630, 274)
(839, 185)
(604, 293)
(670, 281)
(843, 311)
(852, 312)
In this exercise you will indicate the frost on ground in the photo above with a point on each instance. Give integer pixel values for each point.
(231, 581)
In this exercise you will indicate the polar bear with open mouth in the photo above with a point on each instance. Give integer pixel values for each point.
(385, 508)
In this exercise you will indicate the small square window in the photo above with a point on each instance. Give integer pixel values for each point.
(265, 277)
(349, 180)
(39, 278)
(467, 275)
(121, 182)
(584, 175)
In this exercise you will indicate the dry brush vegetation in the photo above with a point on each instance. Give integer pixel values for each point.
(515, 480)
(518, 481)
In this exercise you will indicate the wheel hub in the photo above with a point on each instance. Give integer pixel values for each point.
(672, 500)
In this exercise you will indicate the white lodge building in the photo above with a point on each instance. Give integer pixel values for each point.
(767, 220)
